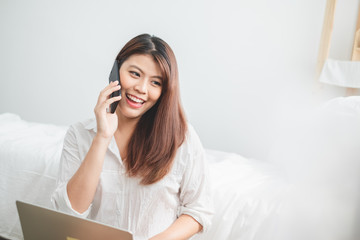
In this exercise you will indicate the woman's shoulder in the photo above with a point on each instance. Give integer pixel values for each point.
(191, 133)
(85, 125)
(80, 134)
(81, 130)
(190, 151)
(192, 141)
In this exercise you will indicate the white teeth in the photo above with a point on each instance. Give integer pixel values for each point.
(134, 99)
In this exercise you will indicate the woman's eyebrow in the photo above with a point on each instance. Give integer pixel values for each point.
(134, 66)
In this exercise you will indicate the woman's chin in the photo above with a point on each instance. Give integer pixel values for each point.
(130, 114)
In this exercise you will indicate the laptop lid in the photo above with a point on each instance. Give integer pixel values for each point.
(39, 223)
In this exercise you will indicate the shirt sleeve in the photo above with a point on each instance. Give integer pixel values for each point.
(195, 192)
(69, 163)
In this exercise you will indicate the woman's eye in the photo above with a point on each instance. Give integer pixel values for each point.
(157, 83)
(135, 74)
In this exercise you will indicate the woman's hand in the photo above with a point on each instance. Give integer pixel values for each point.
(106, 121)
(183, 228)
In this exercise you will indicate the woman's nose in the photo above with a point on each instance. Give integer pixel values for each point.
(141, 86)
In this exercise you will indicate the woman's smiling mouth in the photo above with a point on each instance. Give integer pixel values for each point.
(134, 101)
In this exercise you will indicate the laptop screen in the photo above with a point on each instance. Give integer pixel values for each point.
(39, 223)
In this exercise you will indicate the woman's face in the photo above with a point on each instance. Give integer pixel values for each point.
(141, 85)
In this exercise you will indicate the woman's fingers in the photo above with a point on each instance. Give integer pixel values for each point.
(101, 107)
(105, 93)
(111, 100)
(104, 99)
(112, 89)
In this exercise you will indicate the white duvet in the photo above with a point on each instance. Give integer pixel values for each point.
(248, 193)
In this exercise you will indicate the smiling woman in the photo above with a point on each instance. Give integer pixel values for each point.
(141, 86)
(142, 169)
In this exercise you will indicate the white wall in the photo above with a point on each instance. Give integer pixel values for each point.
(242, 63)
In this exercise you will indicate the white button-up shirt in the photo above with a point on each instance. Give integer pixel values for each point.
(121, 201)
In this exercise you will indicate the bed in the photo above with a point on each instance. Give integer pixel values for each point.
(248, 193)
(30, 153)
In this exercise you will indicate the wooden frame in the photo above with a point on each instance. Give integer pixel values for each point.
(326, 33)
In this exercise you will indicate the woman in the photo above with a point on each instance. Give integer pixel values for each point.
(141, 169)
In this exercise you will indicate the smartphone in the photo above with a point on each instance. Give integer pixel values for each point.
(114, 76)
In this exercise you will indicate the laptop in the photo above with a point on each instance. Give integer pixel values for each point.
(40, 223)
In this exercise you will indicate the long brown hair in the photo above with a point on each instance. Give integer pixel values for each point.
(161, 130)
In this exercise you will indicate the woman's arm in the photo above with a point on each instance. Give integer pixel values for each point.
(82, 186)
(183, 228)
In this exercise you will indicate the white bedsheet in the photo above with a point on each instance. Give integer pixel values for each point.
(247, 192)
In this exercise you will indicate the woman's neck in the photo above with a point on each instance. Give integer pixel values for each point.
(126, 126)
(123, 133)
